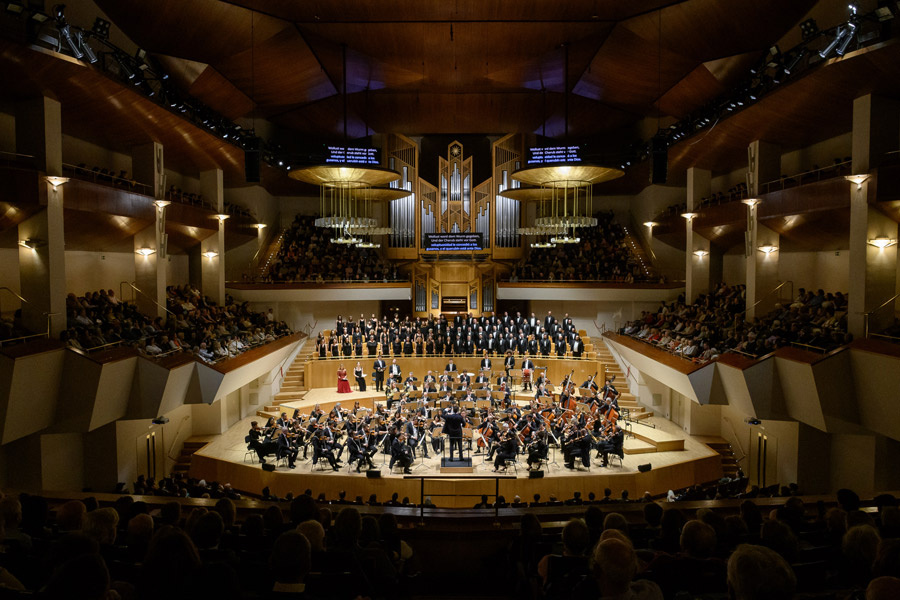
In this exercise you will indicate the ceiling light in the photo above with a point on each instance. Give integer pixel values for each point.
(690, 216)
(542, 245)
(882, 242)
(768, 248)
(82, 43)
(368, 245)
(809, 29)
(145, 251)
(55, 180)
(210, 254)
(565, 240)
(700, 253)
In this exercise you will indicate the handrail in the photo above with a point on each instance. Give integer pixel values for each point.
(87, 174)
(139, 291)
(46, 334)
(600, 328)
(876, 309)
(770, 292)
(893, 338)
(14, 294)
(736, 439)
(819, 348)
(277, 281)
(798, 177)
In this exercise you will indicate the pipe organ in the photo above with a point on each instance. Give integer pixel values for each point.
(457, 204)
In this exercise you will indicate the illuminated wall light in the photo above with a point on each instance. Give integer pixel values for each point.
(650, 224)
(882, 242)
(751, 202)
(55, 180)
(145, 251)
(857, 179)
(161, 203)
(221, 217)
(260, 226)
(700, 253)
(767, 248)
(210, 254)
(690, 216)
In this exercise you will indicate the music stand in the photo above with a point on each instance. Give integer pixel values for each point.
(552, 461)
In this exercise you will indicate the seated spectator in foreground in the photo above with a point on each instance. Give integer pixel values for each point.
(758, 573)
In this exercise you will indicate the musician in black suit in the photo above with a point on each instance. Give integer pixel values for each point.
(256, 441)
(537, 450)
(451, 366)
(613, 444)
(323, 449)
(464, 380)
(401, 452)
(378, 374)
(453, 426)
(509, 444)
(544, 345)
(414, 433)
(509, 362)
(485, 362)
(285, 448)
(483, 378)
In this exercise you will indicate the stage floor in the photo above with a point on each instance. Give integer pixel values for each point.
(225, 459)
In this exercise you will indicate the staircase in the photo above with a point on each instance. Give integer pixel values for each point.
(293, 386)
(191, 445)
(627, 400)
(729, 462)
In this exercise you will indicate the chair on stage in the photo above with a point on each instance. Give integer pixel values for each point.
(250, 452)
(511, 462)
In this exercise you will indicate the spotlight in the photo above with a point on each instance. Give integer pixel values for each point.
(851, 33)
(59, 12)
(824, 52)
(792, 63)
(160, 420)
(14, 8)
(39, 17)
(89, 52)
(809, 29)
(124, 70)
(882, 13)
(101, 28)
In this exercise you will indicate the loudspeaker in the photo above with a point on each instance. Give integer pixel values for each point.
(535, 474)
(373, 473)
(251, 161)
(268, 467)
(659, 160)
(645, 468)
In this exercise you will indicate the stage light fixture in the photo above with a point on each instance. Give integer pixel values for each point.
(83, 44)
(39, 17)
(14, 8)
(809, 29)
(851, 33)
(792, 63)
(124, 69)
(101, 28)
(838, 38)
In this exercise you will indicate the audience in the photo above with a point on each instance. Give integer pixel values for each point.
(307, 254)
(601, 255)
(715, 324)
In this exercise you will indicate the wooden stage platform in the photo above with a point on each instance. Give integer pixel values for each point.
(677, 461)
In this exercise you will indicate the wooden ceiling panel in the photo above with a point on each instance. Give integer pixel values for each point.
(214, 90)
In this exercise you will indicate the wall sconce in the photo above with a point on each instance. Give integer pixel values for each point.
(700, 253)
(857, 179)
(767, 248)
(751, 202)
(221, 217)
(260, 226)
(650, 224)
(882, 242)
(690, 216)
(145, 251)
(31, 243)
(55, 180)
(210, 254)
(161, 203)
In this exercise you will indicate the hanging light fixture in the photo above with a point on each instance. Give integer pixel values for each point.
(346, 191)
(563, 189)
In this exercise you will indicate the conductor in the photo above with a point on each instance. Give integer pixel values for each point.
(453, 426)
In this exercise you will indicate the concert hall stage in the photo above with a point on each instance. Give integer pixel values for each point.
(225, 459)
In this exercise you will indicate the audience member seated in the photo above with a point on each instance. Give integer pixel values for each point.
(307, 254)
(602, 255)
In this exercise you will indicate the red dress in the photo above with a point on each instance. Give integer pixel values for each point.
(343, 384)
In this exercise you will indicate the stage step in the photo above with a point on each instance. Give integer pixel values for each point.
(642, 415)
(636, 446)
(191, 445)
(664, 442)
(266, 414)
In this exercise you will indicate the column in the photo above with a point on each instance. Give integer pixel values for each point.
(762, 244)
(212, 249)
(150, 252)
(697, 248)
(42, 259)
(873, 269)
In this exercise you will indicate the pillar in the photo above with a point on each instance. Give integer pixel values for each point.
(150, 252)
(764, 165)
(697, 248)
(873, 270)
(42, 259)
(212, 249)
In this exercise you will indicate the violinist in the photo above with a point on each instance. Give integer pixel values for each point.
(576, 446)
(507, 450)
(612, 443)
(401, 452)
(316, 413)
(359, 451)
(414, 433)
(257, 442)
(285, 448)
(322, 450)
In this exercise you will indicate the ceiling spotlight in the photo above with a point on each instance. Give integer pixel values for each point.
(882, 242)
(541, 245)
(145, 251)
(841, 32)
(88, 51)
(767, 248)
(809, 29)
(66, 34)
(851, 32)
(210, 254)
(14, 8)
(700, 253)
(792, 63)
(101, 28)
(124, 70)
(884, 13)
